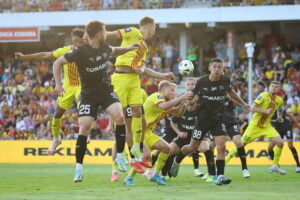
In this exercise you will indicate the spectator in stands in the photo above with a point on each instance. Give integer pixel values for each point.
(220, 49)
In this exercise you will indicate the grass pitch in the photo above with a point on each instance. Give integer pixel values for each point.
(54, 181)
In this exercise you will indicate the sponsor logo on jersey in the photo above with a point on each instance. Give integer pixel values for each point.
(95, 69)
(127, 30)
(214, 98)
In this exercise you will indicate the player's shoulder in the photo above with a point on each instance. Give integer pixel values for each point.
(279, 99)
(263, 95)
(203, 78)
(224, 78)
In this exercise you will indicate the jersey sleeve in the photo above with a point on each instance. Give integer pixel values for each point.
(228, 84)
(157, 98)
(60, 52)
(259, 99)
(280, 102)
(107, 50)
(72, 55)
(197, 87)
(127, 33)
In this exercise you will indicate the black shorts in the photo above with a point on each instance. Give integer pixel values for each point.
(180, 142)
(216, 128)
(128, 113)
(232, 129)
(168, 137)
(89, 105)
(284, 129)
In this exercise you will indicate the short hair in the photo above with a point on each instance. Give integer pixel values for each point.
(164, 84)
(213, 60)
(93, 27)
(79, 32)
(275, 82)
(146, 20)
(190, 79)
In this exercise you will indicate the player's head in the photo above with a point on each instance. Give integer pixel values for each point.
(190, 84)
(216, 66)
(96, 30)
(274, 87)
(147, 25)
(167, 89)
(77, 36)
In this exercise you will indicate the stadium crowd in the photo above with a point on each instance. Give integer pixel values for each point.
(28, 102)
(85, 5)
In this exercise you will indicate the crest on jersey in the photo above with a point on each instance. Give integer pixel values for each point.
(127, 30)
(259, 97)
(160, 97)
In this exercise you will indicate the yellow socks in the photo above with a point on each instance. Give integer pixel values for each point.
(230, 154)
(161, 160)
(55, 127)
(136, 127)
(277, 154)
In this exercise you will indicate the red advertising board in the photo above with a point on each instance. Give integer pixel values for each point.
(19, 34)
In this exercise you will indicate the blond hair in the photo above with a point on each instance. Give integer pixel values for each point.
(164, 84)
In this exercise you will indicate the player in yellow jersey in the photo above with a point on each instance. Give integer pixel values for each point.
(71, 83)
(157, 107)
(128, 118)
(126, 77)
(264, 107)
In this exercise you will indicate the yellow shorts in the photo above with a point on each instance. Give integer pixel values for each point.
(128, 88)
(151, 139)
(253, 132)
(66, 100)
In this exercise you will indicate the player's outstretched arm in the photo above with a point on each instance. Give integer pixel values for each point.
(178, 110)
(238, 100)
(170, 104)
(57, 73)
(255, 108)
(113, 35)
(116, 51)
(34, 56)
(166, 76)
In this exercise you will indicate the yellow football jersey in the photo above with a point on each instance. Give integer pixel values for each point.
(134, 58)
(265, 101)
(153, 113)
(71, 75)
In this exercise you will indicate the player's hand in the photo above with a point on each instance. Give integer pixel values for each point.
(280, 120)
(59, 89)
(247, 108)
(134, 46)
(269, 111)
(19, 55)
(183, 134)
(170, 77)
(188, 95)
(298, 125)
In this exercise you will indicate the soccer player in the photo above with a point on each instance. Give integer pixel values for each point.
(126, 79)
(284, 128)
(91, 60)
(128, 117)
(157, 107)
(212, 90)
(264, 107)
(71, 83)
(233, 132)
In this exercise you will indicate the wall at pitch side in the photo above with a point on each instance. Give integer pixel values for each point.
(99, 152)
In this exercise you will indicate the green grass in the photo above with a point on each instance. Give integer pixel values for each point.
(54, 181)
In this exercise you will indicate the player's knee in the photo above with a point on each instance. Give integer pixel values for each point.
(280, 144)
(85, 129)
(290, 144)
(221, 148)
(166, 149)
(136, 111)
(119, 119)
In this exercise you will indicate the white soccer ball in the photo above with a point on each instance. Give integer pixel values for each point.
(185, 67)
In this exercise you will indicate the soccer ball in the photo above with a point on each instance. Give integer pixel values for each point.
(185, 67)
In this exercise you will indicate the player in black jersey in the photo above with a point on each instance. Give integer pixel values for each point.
(212, 90)
(233, 132)
(284, 127)
(91, 60)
